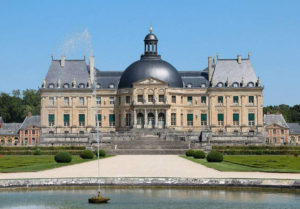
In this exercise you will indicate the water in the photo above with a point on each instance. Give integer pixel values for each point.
(146, 198)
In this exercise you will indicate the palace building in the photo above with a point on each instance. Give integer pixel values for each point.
(224, 99)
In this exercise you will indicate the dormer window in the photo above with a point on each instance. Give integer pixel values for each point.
(203, 85)
(235, 85)
(51, 86)
(250, 84)
(98, 86)
(111, 86)
(220, 84)
(66, 85)
(81, 86)
(189, 85)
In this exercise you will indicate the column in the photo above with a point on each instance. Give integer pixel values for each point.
(134, 118)
(146, 119)
(167, 118)
(156, 119)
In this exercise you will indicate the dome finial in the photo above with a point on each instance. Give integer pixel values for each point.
(150, 29)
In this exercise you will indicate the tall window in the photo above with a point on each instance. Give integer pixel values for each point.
(251, 119)
(98, 100)
(204, 119)
(190, 100)
(111, 100)
(161, 98)
(66, 100)
(51, 119)
(274, 131)
(26, 132)
(236, 119)
(111, 119)
(33, 131)
(127, 99)
(173, 119)
(203, 99)
(235, 99)
(140, 98)
(173, 99)
(221, 119)
(51, 100)
(150, 98)
(81, 120)
(98, 120)
(66, 120)
(128, 119)
(282, 131)
(220, 99)
(81, 100)
(190, 119)
(251, 99)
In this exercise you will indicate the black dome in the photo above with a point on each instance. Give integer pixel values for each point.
(146, 68)
(150, 37)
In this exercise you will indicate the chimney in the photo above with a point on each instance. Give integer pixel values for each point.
(248, 55)
(29, 114)
(209, 68)
(92, 68)
(239, 58)
(62, 61)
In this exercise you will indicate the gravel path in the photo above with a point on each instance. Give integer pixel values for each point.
(143, 166)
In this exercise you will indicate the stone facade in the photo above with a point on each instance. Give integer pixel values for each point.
(277, 130)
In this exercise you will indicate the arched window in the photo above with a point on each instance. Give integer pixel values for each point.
(66, 85)
(189, 85)
(51, 86)
(203, 85)
(250, 84)
(111, 86)
(98, 86)
(220, 84)
(235, 84)
(81, 86)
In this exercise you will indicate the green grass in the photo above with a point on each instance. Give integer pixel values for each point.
(262, 163)
(28, 163)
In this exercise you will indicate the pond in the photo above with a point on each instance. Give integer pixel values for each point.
(146, 198)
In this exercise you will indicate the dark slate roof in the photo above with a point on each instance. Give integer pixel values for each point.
(294, 128)
(31, 121)
(196, 78)
(277, 119)
(1, 120)
(73, 69)
(105, 78)
(10, 129)
(235, 72)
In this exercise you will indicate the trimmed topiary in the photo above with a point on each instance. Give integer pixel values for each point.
(214, 156)
(190, 153)
(87, 154)
(199, 154)
(102, 153)
(63, 157)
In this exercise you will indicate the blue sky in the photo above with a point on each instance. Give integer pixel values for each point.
(188, 31)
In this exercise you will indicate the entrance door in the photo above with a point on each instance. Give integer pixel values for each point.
(151, 120)
(161, 120)
(140, 120)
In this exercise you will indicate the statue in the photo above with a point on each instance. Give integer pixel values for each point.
(44, 83)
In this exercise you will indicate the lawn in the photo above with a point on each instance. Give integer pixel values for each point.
(27, 163)
(263, 163)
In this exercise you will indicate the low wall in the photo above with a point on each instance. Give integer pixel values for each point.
(148, 181)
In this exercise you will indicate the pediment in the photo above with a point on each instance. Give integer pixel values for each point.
(150, 81)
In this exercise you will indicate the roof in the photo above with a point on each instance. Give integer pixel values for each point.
(294, 128)
(10, 129)
(31, 121)
(106, 78)
(197, 79)
(233, 71)
(277, 119)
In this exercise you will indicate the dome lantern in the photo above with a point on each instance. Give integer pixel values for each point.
(150, 46)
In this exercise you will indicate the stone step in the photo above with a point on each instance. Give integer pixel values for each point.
(152, 147)
(147, 152)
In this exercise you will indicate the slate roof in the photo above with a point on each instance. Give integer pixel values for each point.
(10, 129)
(235, 72)
(105, 78)
(294, 128)
(31, 121)
(277, 119)
(196, 78)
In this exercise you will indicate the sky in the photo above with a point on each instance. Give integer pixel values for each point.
(188, 31)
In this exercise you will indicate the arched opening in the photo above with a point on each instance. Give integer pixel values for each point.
(161, 120)
(151, 120)
(140, 120)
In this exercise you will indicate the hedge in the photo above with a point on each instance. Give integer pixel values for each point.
(44, 152)
(251, 147)
(43, 148)
(259, 152)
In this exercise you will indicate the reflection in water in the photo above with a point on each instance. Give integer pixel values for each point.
(147, 198)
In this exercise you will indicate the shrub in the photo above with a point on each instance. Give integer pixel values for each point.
(199, 154)
(87, 154)
(63, 157)
(37, 152)
(190, 153)
(214, 156)
(295, 154)
(102, 153)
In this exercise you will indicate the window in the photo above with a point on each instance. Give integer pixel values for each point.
(267, 140)
(203, 85)
(66, 132)
(51, 86)
(173, 119)
(140, 98)
(282, 140)
(203, 99)
(251, 119)
(98, 100)
(51, 100)
(33, 131)
(111, 120)
(236, 119)
(111, 86)
(127, 99)
(190, 119)
(236, 132)
(66, 100)
(81, 120)
(189, 85)
(81, 132)
(274, 131)
(98, 86)
(282, 131)
(111, 100)
(220, 99)
(66, 85)
(26, 131)
(81, 85)
(235, 99)
(26, 140)
(66, 120)
(190, 100)
(150, 98)
(51, 119)
(251, 99)
(33, 141)
(220, 84)
(98, 120)
(235, 84)
(203, 119)
(81, 100)
(128, 119)
(161, 98)
(274, 140)
(250, 84)
(173, 99)
(220, 119)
